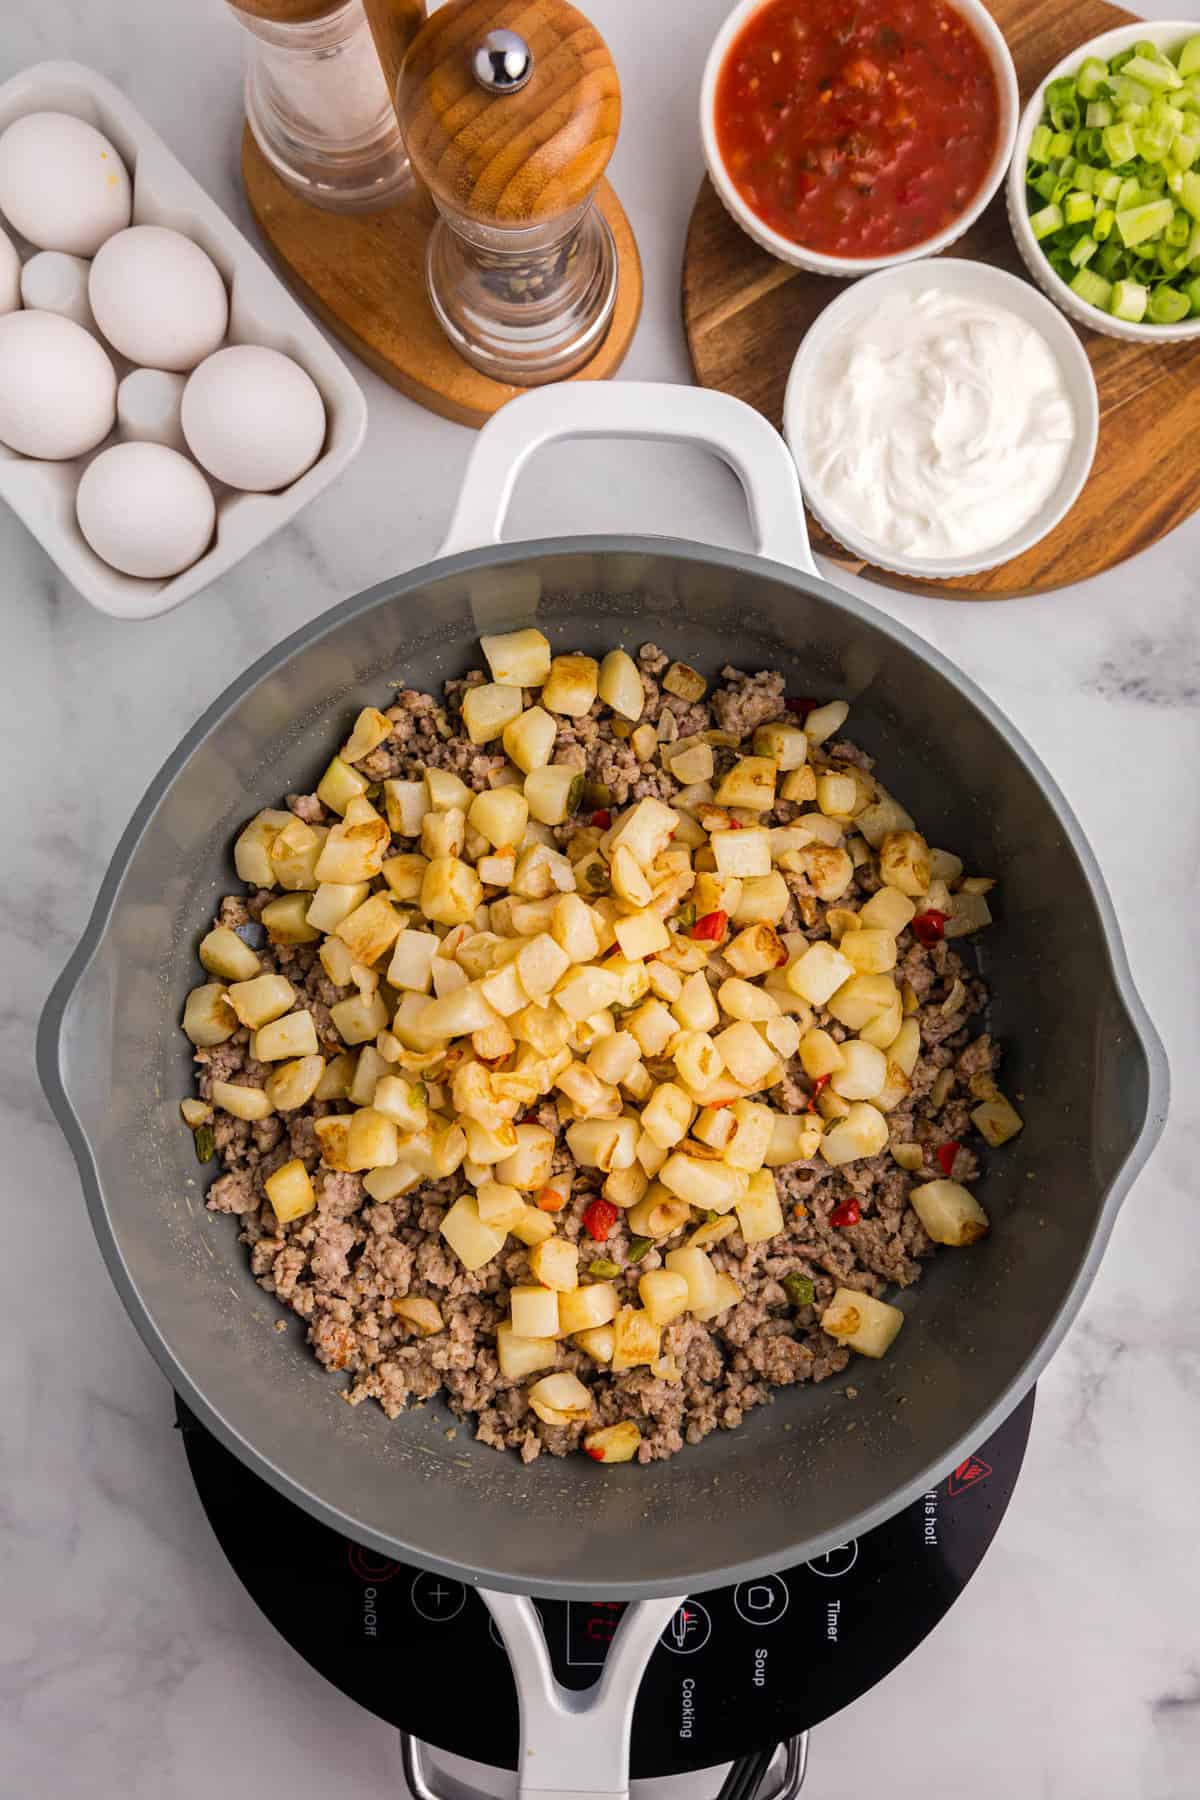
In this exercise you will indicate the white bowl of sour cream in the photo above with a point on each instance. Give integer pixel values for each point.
(942, 416)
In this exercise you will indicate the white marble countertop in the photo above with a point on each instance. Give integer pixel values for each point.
(132, 1664)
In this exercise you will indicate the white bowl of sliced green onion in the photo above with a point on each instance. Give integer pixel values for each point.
(1104, 184)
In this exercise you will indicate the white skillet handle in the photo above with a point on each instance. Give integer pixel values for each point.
(729, 428)
(575, 1746)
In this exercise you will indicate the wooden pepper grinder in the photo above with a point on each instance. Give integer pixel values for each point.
(509, 114)
(319, 102)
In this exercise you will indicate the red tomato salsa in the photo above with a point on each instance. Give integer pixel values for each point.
(857, 127)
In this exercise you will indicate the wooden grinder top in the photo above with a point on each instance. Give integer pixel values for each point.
(519, 158)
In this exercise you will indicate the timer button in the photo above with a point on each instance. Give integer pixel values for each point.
(761, 1602)
(436, 1599)
(838, 1561)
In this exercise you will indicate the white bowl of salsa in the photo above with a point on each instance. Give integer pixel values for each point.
(850, 135)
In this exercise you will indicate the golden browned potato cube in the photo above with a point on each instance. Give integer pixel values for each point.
(664, 1295)
(746, 1055)
(517, 658)
(223, 953)
(690, 760)
(949, 1213)
(252, 850)
(685, 682)
(862, 1133)
(620, 685)
(823, 721)
(998, 1120)
(800, 785)
(473, 1242)
(560, 1399)
(872, 950)
(614, 1443)
(571, 685)
(727, 1294)
(597, 1341)
(863, 1073)
(636, 1339)
(764, 900)
(868, 1325)
(286, 920)
(555, 1264)
(534, 1312)
(904, 862)
(371, 728)
(645, 830)
(759, 1212)
(755, 951)
(360, 1018)
(657, 1214)
(450, 891)
(818, 973)
(208, 1016)
(743, 853)
(240, 1102)
(699, 1274)
(795, 1137)
(420, 1314)
(710, 1186)
(585, 1308)
(747, 1149)
(888, 910)
(290, 1192)
(529, 739)
(861, 998)
(488, 709)
(749, 783)
(261, 999)
(293, 1084)
(519, 1356)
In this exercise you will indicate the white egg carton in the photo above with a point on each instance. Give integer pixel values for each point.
(261, 311)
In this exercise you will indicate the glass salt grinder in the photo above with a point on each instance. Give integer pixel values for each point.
(511, 131)
(318, 102)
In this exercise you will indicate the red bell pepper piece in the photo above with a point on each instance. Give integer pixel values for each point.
(599, 1218)
(849, 1213)
(929, 927)
(946, 1154)
(711, 927)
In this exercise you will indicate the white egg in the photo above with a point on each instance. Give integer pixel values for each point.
(62, 184)
(253, 418)
(58, 389)
(148, 402)
(54, 282)
(145, 509)
(158, 298)
(10, 275)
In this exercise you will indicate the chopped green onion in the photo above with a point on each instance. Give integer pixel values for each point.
(1060, 144)
(1092, 288)
(1128, 301)
(1142, 222)
(1102, 224)
(1077, 208)
(638, 1247)
(1189, 193)
(1185, 147)
(1046, 184)
(1092, 76)
(1106, 185)
(206, 1143)
(1192, 290)
(1167, 306)
(1099, 112)
(1039, 144)
(603, 1269)
(1119, 146)
(1179, 231)
(1153, 74)
(1189, 57)
(799, 1289)
(1049, 219)
(1083, 252)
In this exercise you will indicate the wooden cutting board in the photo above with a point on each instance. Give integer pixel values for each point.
(745, 313)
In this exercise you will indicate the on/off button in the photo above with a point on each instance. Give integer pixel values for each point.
(761, 1602)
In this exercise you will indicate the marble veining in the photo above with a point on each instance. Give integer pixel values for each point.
(132, 1664)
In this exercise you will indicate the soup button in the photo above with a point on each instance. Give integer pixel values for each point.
(761, 1602)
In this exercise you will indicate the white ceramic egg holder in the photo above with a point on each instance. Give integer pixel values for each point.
(261, 311)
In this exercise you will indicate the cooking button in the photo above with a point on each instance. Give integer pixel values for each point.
(689, 1629)
(838, 1561)
(762, 1602)
(437, 1599)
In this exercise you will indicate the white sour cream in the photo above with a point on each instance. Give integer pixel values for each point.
(936, 425)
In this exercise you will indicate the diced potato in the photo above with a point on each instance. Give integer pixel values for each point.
(447, 792)
(818, 973)
(360, 1018)
(909, 1156)
(487, 709)
(743, 1000)
(333, 1136)
(785, 745)
(889, 910)
(443, 833)
(341, 784)
(293, 1084)
(371, 728)
(458, 1014)
(372, 1142)
(195, 1112)
(336, 1080)
(795, 1137)
(371, 929)
(764, 900)
(553, 792)
(240, 1102)
(636, 1339)
(286, 920)
(783, 1035)
(411, 966)
(685, 955)
(500, 815)
(829, 870)
(645, 830)
(420, 1314)
(728, 1293)
(799, 786)
(863, 1073)
(695, 1010)
(585, 1308)
(252, 850)
(555, 1264)
(836, 794)
(290, 1192)
(823, 721)
(620, 685)
(711, 1186)
(571, 685)
(690, 760)
(613, 1056)
(663, 1294)
(404, 874)
(697, 1061)
(667, 1115)
(208, 1016)
(529, 739)
(597, 1341)
(223, 953)
(353, 851)
(614, 1443)
(573, 927)
(450, 891)
(949, 1212)
(473, 1242)
(868, 1325)
(820, 1054)
(749, 783)
(699, 1274)
(587, 990)
(641, 934)
(759, 1212)
(714, 1127)
(998, 1120)
(871, 950)
(861, 999)
(534, 1311)
(684, 682)
(333, 902)
(747, 1149)
(744, 853)
(653, 1027)
(904, 862)
(540, 963)
(881, 817)
(533, 1227)
(862, 1133)
(261, 999)
(560, 1399)
(488, 1144)
(519, 1356)
(402, 1101)
(650, 1156)
(746, 1056)
(517, 658)
(406, 803)
(970, 912)
(754, 951)
(884, 1028)
(625, 1187)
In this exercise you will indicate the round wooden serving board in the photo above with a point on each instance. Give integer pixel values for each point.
(363, 275)
(745, 313)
